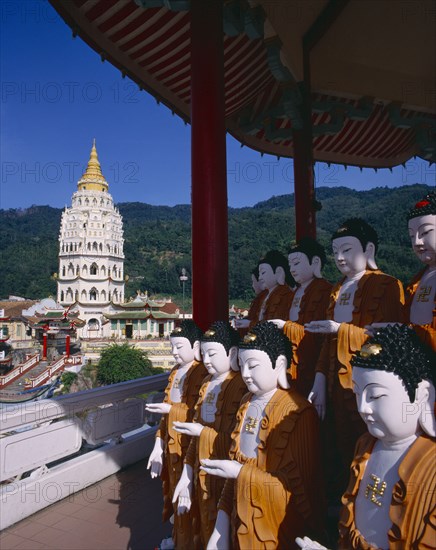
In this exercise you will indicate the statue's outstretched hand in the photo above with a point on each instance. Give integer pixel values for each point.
(306, 543)
(183, 491)
(222, 468)
(167, 544)
(215, 542)
(323, 327)
(279, 323)
(188, 428)
(318, 394)
(160, 408)
(156, 459)
(220, 537)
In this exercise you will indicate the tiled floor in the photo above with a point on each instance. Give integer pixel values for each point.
(122, 512)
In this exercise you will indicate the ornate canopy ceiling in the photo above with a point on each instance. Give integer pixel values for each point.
(371, 65)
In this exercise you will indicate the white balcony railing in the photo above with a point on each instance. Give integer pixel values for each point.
(52, 448)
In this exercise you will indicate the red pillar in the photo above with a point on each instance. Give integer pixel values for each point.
(208, 157)
(67, 345)
(44, 346)
(304, 190)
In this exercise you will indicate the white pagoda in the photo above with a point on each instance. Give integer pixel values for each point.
(91, 258)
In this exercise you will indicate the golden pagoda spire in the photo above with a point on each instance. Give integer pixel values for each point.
(93, 178)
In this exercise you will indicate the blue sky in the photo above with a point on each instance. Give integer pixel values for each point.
(57, 95)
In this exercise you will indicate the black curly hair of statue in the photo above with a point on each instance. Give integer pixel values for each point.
(255, 272)
(310, 247)
(425, 206)
(223, 333)
(356, 227)
(266, 337)
(187, 329)
(398, 349)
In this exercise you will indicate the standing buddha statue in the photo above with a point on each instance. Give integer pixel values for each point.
(273, 278)
(181, 394)
(390, 501)
(364, 295)
(210, 429)
(420, 307)
(309, 303)
(273, 475)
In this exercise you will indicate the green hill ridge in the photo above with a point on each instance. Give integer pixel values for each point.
(158, 239)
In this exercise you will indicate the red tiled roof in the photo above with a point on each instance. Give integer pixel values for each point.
(13, 309)
(170, 308)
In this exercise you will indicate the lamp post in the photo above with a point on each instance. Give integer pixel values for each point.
(183, 277)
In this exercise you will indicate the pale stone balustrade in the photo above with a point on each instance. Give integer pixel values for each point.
(45, 439)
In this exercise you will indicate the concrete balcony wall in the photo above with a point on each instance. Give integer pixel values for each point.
(50, 449)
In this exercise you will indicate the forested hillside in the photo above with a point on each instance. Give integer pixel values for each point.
(158, 239)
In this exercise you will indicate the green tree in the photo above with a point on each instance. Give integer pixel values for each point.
(121, 363)
(67, 379)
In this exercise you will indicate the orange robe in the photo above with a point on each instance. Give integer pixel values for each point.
(253, 312)
(213, 442)
(306, 346)
(277, 305)
(256, 304)
(277, 495)
(175, 446)
(413, 502)
(427, 333)
(378, 298)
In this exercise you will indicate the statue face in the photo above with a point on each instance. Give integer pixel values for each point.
(182, 350)
(267, 277)
(349, 256)
(422, 232)
(384, 405)
(215, 358)
(257, 371)
(300, 267)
